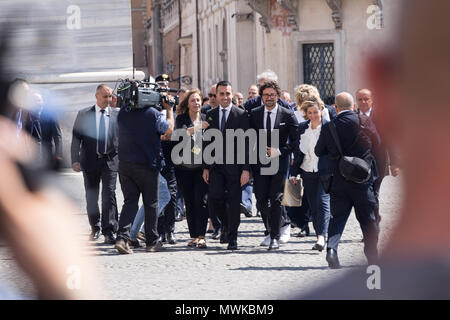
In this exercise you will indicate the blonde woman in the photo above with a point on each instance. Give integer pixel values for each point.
(307, 92)
(310, 168)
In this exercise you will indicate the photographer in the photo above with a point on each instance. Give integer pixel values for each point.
(141, 160)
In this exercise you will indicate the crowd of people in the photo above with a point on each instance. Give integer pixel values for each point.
(409, 81)
(142, 147)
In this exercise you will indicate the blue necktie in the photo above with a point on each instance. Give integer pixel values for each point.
(101, 134)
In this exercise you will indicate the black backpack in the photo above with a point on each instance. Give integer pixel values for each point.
(354, 169)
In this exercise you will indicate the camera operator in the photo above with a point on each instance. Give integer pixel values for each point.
(141, 160)
(166, 220)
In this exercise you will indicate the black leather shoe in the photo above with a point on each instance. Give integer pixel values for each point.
(110, 239)
(332, 259)
(245, 211)
(216, 234)
(224, 237)
(232, 245)
(171, 238)
(95, 234)
(274, 244)
(318, 247)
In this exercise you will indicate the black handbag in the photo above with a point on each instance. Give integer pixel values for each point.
(353, 169)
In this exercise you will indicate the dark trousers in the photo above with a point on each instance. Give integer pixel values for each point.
(136, 179)
(268, 194)
(194, 190)
(217, 224)
(319, 200)
(108, 222)
(227, 211)
(166, 220)
(180, 204)
(344, 196)
(300, 216)
(376, 190)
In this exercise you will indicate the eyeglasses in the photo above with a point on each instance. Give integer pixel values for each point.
(211, 95)
(273, 95)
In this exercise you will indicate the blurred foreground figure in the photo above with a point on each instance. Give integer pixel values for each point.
(416, 261)
(36, 221)
(38, 226)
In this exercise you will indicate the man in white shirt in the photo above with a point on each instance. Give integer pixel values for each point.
(269, 187)
(94, 152)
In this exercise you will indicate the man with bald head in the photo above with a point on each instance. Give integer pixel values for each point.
(415, 260)
(385, 159)
(94, 152)
(358, 138)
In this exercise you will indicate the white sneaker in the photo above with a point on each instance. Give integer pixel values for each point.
(266, 241)
(285, 233)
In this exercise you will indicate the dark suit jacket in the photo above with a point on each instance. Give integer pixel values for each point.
(183, 121)
(299, 155)
(287, 124)
(348, 129)
(84, 140)
(383, 155)
(51, 136)
(205, 109)
(237, 119)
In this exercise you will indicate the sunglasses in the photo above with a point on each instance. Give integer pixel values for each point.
(211, 95)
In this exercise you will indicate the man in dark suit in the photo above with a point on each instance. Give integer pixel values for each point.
(221, 175)
(345, 194)
(94, 151)
(45, 129)
(384, 159)
(269, 187)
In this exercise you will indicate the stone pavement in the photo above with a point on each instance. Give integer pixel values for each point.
(183, 273)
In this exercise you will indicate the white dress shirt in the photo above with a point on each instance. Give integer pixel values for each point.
(226, 113)
(273, 115)
(368, 112)
(299, 116)
(308, 141)
(98, 115)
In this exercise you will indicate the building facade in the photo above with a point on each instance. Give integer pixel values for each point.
(322, 42)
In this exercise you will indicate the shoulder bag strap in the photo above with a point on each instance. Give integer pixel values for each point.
(335, 137)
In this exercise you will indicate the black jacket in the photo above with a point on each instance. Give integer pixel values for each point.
(287, 124)
(237, 119)
(348, 129)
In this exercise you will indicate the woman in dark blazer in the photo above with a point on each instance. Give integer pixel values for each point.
(189, 173)
(312, 169)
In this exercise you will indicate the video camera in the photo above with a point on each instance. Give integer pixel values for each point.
(135, 94)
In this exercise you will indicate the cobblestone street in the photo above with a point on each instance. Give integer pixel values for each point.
(181, 272)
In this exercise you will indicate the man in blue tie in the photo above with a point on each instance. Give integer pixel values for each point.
(94, 151)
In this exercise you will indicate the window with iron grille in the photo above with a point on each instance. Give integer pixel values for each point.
(318, 69)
